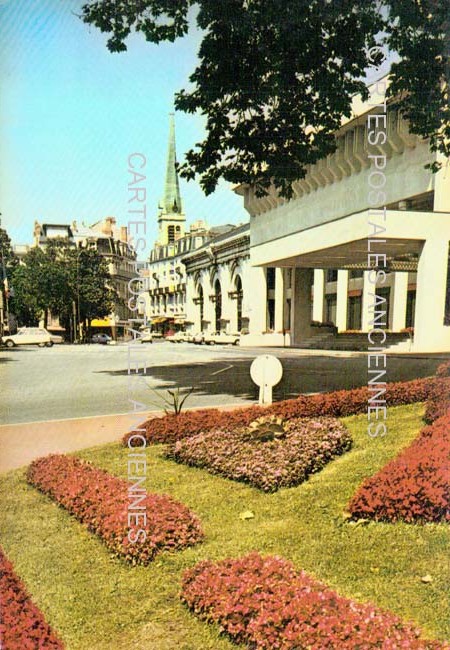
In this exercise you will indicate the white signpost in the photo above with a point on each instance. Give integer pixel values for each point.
(266, 371)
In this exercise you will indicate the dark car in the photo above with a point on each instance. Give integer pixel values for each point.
(103, 339)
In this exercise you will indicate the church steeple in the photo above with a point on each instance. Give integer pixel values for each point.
(171, 219)
(172, 198)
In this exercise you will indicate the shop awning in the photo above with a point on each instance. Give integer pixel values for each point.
(102, 322)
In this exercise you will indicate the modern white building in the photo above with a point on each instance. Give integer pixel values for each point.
(365, 208)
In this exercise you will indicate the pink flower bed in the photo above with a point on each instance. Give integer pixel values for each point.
(308, 445)
(22, 624)
(267, 604)
(101, 502)
(415, 486)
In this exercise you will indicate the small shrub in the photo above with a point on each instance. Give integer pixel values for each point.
(340, 403)
(22, 624)
(264, 457)
(414, 487)
(267, 604)
(101, 501)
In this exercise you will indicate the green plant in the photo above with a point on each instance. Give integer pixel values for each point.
(174, 402)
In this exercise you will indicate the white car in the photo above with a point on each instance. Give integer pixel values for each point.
(217, 338)
(146, 336)
(29, 336)
(178, 337)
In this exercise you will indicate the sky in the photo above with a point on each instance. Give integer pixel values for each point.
(71, 113)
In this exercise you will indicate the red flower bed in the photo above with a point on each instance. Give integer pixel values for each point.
(101, 502)
(171, 428)
(438, 403)
(22, 624)
(307, 446)
(267, 604)
(413, 487)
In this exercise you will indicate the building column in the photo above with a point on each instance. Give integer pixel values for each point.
(319, 295)
(279, 299)
(430, 333)
(255, 299)
(301, 305)
(341, 300)
(442, 186)
(399, 302)
(367, 300)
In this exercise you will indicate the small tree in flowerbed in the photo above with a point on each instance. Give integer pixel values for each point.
(22, 624)
(268, 454)
(269, 605)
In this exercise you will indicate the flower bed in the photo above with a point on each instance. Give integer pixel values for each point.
(307, 446)
(22, 624)
(414, 487)
(438, 403)
(267, 604)
(171, 428)
(101, 502)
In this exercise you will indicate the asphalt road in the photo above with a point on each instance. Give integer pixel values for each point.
(78, 381)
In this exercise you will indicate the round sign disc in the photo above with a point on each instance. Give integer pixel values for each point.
(266, 370)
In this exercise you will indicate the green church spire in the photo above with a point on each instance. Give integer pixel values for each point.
(171, 203)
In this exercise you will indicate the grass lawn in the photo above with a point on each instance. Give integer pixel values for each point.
(95, 601)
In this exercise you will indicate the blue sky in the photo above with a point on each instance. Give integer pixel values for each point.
(71, 113)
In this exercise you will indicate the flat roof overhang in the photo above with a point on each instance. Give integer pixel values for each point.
(344, 243)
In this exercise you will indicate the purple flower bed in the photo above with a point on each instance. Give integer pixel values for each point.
(306, 447)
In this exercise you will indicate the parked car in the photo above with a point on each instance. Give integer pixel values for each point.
(29, 336)
(146, 336)
(222, 338)
(101, 338)
(198, 338)
(178, 337)
(56, 338)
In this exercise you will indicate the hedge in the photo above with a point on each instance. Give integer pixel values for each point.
(414, 487)
(267, 604)
(101, 502)
(22, 624)
(170, 428)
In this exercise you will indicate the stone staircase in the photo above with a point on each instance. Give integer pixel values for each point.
(395, 342)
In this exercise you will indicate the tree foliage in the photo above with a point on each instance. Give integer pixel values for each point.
(58, 277)
(275, 78)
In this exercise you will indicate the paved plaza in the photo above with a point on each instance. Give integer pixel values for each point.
(66, 382)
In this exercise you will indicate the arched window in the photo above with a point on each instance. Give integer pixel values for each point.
(200, 304)
(238, 285)
(218, 303)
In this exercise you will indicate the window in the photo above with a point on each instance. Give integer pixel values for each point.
(200, 304)
(410, 307)
(356, 273)
(171, 234)
(218, 304)
(332, 275)
(330, 308)
(354, 312)
(270, 275)
(239, 303)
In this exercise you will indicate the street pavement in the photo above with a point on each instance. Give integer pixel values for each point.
(68, 381)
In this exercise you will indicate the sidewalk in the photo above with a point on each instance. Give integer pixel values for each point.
(22, 443)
